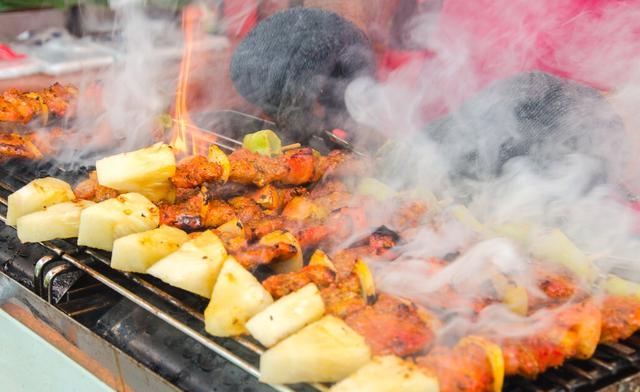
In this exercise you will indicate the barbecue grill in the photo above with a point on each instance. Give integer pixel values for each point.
(137, 333)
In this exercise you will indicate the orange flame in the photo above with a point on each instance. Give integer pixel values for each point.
(184, 126)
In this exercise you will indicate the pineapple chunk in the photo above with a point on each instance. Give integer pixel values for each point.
(146, 171)
(615, 285)
(236, 297)
(216, 155)
(388, 374)
(195, 266)
(138, 251)
(60, 220)
(36, 196)
(325, 351)
(294, 263)
(287, 315)
(556, 247)
(104, 222)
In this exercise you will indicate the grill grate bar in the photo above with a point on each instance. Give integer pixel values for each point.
(600, 363)
(581, 372)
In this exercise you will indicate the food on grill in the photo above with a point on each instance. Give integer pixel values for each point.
(388, 373)
(473, 364)
(324, 351)
(555, 246)
(253, 217)
(195, 266)
(22, 107)
(36, 196)
(13, 145)
(146, 171)
(572, 333)
(620, 309)
(287, 315)
(620, 317)
(392, 326)
(237, 296)
(89, 189)
(61, 220)
(293, 263)
(102, 223)
(264, 142)
(138, 251)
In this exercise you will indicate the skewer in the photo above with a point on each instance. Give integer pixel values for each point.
(218, 135)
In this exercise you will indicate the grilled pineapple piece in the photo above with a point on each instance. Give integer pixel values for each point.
(138, 251)
(60, 220)
(287, 315)
(294, 263)
(216, 155)
(388, 374)
(102, 223)
(36, 196)
(195, 266)
(325, 351)
(236, 297)
(615, 285)
(556, 247)
(146, 171)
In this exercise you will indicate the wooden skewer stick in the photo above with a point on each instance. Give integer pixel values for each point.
(291, 146)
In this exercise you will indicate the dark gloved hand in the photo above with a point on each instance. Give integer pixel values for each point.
(296, 64)
(534, 115)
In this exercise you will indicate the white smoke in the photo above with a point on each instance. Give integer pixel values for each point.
(581, 191)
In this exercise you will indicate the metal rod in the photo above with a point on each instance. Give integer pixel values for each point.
(217, 135)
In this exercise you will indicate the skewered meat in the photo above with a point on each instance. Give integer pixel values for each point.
(392, 326)
(90, 189)
(13, 145)
(22, 107)
(620, 318)
(573, 332)
(195, 170)
(282, 284)
(466, 367)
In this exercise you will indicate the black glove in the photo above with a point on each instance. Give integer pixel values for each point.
(536, 115)
(296, 64)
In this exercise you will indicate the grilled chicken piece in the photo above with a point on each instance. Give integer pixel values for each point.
(89, 189)
(283, 284)
(620, 318)
(217, 212)
(13, 145)
(187, 215)
(392, 326)
(343, 297)
(251, 168)
(573, 332)
(466, 367)
(194, 171)
(340, 163)
(255, 255)
(294, 167)
(22, 107)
